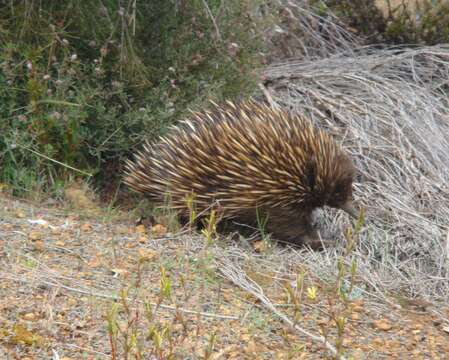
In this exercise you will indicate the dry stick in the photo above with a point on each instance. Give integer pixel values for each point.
(239, 278)
(57, 162)
(113, 297)
(209, 12)
(268, 96)
(91, 351)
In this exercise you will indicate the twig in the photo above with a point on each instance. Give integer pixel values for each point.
(91, 351)
(57, 162)
(268, 96)
(209, 12)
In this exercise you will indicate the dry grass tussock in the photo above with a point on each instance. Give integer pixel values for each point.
(390, 109)
(305, 33)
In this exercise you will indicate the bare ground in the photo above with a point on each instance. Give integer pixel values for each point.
(67, 279)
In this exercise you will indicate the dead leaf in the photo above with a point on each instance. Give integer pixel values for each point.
(35, 235)
(23, 336)
(30, 317)
(252, 348)
(72, 302)
(259, 246)
(80, 196)
(3, 187)
(95, 262)
(119, 272)
(383, 324)
(140, 229)
(39, 245)
(146, 254)
(158, 230)
(8, 226)
(20, 214)
(86, 227)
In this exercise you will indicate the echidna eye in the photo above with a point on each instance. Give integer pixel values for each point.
(338, 190)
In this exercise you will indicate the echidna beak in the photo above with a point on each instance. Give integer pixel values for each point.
(349, 208)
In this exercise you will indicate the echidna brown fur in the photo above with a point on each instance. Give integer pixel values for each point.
(248, 159)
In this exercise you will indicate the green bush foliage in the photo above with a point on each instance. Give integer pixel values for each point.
(84, 82)
(395, 21)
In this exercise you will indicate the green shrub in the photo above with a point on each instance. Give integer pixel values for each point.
(395, 21)
(82, 84)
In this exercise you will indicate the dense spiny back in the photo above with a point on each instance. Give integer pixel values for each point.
(244, 156)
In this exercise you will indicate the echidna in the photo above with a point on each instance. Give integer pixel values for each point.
(248, 159)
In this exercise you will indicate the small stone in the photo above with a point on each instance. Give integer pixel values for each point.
(86, 227)
(39, 245)
(147, 254)
(35, 235)
(259, 246)
(20, 214)
(142, 239)
(30, 316)
(382, 324)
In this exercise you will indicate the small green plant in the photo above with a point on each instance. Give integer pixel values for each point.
(262, 220)
(165, 286)
(340, 293)
(340, 308)
(125, 317)
(190, 204)
(210, 230)
(296, 351)
(210, 346)
(145, 322)
(294, 296)
(165, 214)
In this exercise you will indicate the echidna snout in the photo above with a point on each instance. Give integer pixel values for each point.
(251, 160)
